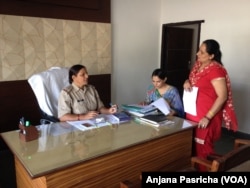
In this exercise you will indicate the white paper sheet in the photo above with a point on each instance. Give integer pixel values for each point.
(162, 105)
(189, 101)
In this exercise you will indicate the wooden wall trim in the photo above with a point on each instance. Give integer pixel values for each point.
(102, 83)
(83, 10)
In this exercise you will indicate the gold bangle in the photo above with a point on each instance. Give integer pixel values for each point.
(210, 113)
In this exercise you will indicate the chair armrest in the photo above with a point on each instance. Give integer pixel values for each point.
(239, 142)
(130, 184)
(212, 157)
(196, 160)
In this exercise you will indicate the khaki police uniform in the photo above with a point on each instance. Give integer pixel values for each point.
(75, 100)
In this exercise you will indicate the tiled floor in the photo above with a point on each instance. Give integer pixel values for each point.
(226, 144)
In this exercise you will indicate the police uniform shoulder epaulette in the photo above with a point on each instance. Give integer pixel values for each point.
(91, 86)
(68, 88)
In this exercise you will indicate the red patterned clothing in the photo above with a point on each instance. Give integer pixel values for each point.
(205, 98)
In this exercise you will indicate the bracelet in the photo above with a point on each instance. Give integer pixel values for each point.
(207, 118)
(78, 117)
(210, 113)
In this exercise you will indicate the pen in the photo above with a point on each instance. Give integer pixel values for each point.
(22, 121)
(27, 123)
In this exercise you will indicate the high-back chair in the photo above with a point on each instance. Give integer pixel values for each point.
(47, 86)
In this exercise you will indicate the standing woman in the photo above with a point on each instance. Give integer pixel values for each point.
(214, 100)
(80, 101)
(159, 88)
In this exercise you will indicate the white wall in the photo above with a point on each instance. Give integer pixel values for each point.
(135, 49)
(136, 39)
(227, 21)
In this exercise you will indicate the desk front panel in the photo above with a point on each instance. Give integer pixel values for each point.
(170, 153)
(64, 151)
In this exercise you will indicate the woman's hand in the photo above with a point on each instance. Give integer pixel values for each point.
(172, 113)
(187, 85)
(90, 114)
(143, 103)
(113, 109)
(203, 123)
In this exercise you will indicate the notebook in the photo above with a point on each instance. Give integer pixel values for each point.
(122, 116)
(156, 120)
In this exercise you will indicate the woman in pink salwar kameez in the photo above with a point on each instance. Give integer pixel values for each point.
(214, 99)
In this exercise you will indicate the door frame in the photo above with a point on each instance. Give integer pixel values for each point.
(196, 25)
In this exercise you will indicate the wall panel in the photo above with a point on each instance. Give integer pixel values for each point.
(84, 10)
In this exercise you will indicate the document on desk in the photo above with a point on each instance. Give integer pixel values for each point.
(83, 125)
(162, 105)
(189, 101)
(99, 121)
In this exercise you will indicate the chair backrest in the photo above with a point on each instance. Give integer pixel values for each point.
(232, 159)
(47, 86)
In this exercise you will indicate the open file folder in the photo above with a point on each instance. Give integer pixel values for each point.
(160, 104)
(139, 108)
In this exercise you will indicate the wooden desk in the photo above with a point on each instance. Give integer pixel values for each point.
(66, 157)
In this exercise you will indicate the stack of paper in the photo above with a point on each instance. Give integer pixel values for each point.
(139, 108)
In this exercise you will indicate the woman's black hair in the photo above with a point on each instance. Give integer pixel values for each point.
(213, 48)
(74, 71)
(160, 73)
